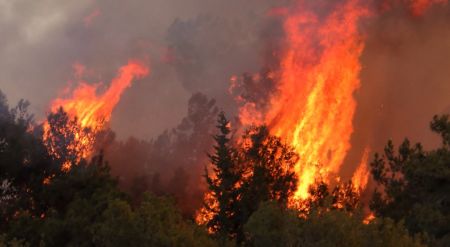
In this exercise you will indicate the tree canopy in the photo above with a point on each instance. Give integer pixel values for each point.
(416, 184)
(249, 182)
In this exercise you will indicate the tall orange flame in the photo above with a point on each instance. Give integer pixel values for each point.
(93, 110)
(361, 176)
(320, 72)
(314, 106)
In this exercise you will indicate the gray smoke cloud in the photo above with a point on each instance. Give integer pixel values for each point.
(405, 81)
(209, 40)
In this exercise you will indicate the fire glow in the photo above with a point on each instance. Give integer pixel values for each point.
(313, 106)
(91, 109)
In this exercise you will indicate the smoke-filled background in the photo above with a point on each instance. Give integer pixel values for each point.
(405, 79)
(194, 47)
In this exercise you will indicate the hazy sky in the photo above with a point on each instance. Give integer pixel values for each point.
(405, 76)
(41, 40)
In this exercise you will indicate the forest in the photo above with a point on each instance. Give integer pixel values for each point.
(197, 123)
(137, 193)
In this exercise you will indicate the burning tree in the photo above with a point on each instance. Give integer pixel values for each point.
(416, 184)
(343, 197)
(223, 184)
(66, 140)
(72, 127)
(260, 169)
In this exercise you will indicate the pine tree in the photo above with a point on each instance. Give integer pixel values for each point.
(223, 184)
(416, 184)
(259, 170)
(268, 167)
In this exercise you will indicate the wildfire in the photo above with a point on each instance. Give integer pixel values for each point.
(319, 73)
(362, 173)
(313, 106)
(369, 218)
(90, 109)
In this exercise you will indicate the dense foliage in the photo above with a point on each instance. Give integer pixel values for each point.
(223, 184)
(44, 205)
(273, 225)
(260, 169)
(249, 181)
(416, 185)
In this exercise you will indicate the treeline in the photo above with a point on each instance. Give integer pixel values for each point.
(44, 204)
(248, 201)
(249, 182)
(172, 163)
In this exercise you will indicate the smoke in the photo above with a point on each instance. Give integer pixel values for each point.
(192, 45)
(405, 80)
(210, 42)
(174, 162)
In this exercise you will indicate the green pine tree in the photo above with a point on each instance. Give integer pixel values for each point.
(267, 165)
(223, 185)
(416, 185)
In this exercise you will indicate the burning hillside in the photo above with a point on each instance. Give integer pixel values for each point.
(90, 110)
(313, 105)
(308, 99)
(319, 73)
(264, 123)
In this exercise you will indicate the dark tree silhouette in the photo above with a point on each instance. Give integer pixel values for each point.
(223, 184)
(267, 165)
(24, 163)
(259, 170)
(416, 184)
